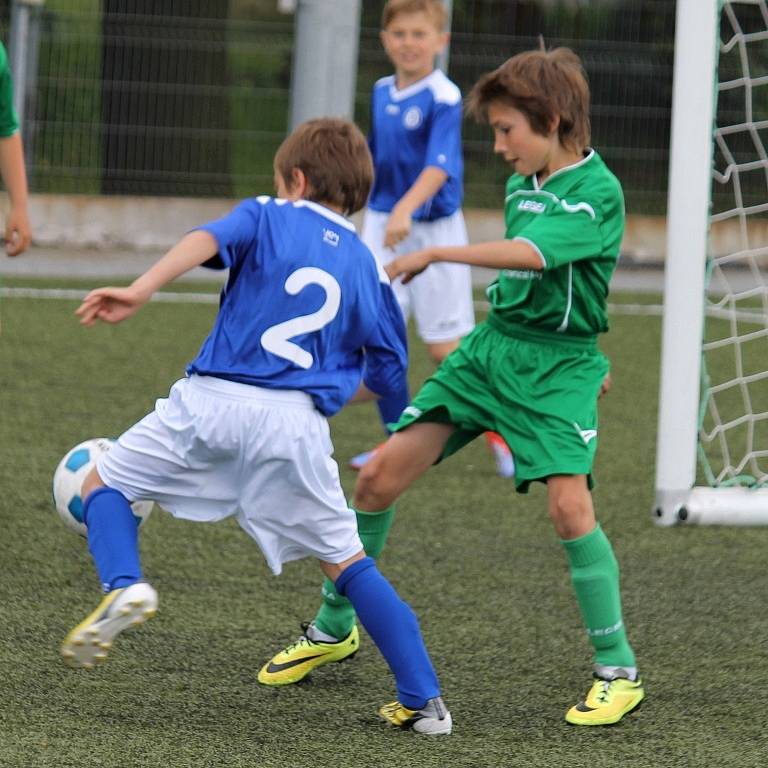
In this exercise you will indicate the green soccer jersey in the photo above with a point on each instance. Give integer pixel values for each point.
(9, 123)
(575, 222)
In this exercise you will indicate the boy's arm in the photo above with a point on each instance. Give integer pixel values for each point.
(427, 185)
(18, 233)
(113, 305)
(386, 350)
(363, 395)
(501, 254)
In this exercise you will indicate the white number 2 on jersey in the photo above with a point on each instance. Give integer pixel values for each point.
(276, 338)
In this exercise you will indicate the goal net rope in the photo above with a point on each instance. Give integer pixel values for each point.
(733, 428)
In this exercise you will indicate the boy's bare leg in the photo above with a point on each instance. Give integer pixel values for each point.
(570, 505)
(439, 350)
(398, 463)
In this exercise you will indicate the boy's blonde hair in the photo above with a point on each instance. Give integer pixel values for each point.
(334, 156)
(433, 8)
(544, 86)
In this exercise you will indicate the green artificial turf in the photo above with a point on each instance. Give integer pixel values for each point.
(481, 567)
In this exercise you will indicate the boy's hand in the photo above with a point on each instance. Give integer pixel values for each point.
(409, 266)
(605, 387)
(398, 227)
(18, 232)
(111, 305)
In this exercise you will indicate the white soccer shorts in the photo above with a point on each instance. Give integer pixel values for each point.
(441, 297)
(215, 448)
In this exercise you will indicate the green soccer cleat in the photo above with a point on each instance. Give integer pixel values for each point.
(295, 662)
(89, 642)
(434, 719)
(607, 702)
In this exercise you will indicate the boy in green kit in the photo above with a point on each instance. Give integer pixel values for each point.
(532, 371)
(18, 234)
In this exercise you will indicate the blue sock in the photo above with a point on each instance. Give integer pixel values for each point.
(395, 630)
(113, 538)
(391, 406)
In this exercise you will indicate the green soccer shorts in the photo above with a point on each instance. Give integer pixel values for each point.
(539, 392)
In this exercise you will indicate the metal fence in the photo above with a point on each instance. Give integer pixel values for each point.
(191, 97)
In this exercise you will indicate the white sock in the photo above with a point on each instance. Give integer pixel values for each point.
(611, 673)
(313, 633)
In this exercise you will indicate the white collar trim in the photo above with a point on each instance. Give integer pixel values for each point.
(565, 169)
(327, 212)
(399, 94)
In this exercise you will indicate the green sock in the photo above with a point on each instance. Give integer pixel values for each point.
(336, 616)
(595, 576)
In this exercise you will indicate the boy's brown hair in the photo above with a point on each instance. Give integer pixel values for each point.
(433, 8)
(543, 85)
(334, 156)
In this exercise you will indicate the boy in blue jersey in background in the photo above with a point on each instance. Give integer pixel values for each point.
(415, 139)
(307, 319)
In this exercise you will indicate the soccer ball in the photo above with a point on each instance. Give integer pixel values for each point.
(68, 480)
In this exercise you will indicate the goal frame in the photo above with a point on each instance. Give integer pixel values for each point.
(678, 500)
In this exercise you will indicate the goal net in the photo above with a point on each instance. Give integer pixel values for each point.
(712, 453)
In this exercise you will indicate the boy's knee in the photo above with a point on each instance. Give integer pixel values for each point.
(572, 514)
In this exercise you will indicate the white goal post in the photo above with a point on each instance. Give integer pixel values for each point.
(713, 406)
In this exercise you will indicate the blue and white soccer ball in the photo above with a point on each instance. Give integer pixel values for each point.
(68, 480)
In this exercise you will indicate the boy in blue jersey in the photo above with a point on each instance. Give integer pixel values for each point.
(415, 139)
(307, 318)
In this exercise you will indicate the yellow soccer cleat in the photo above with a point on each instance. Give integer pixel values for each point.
(434, 719)
(89, 642)
(607, 702)
(295, 662)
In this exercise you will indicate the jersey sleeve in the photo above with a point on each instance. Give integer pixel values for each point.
(444, 146)
(236, 233)
(386, 350)
(9, 123)
(568, 232)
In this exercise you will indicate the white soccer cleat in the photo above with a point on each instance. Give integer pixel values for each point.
(433, 719)
(89, 642)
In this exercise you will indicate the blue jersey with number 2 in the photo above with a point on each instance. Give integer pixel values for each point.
(305, 306)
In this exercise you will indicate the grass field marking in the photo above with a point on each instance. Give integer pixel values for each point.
(72, 294)
(75, 294)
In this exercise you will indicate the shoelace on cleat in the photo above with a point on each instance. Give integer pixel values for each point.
(604, 695)
(303, 640)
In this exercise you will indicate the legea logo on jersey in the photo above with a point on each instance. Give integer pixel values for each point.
(412, 118)
(534, 206)
(330, 237)
(392, 109)
(586, 434)
(522, 274)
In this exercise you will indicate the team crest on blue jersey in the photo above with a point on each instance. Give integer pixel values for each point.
(330, 237)
(412, 118)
